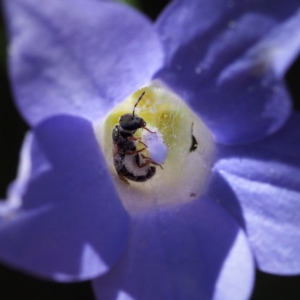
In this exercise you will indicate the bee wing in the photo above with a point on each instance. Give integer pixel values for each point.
(123, 178)
(118, 161)
(115, 150)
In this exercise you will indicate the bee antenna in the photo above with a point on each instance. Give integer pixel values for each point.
(137, 102)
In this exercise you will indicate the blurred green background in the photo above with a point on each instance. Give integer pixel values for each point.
(16, 285)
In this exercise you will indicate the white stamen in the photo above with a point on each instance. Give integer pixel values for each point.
(156, 147)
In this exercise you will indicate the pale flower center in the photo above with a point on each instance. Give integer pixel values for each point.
(168, 164)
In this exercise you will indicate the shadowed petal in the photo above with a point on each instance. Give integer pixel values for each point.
(265, 178)
(77, 57)
(194, 251)
(227, 59)
(70, 225)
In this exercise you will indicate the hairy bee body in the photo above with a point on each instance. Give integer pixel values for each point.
(127, 159)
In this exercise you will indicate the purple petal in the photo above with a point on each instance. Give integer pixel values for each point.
(71, 225)
(260, 185)
(77, 56)
(227, 59)
(190, 252)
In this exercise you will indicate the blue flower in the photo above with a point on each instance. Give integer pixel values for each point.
(71, 61)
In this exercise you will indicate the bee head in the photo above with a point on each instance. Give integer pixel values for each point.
(131, 123)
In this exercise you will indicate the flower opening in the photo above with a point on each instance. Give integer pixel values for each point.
(175, 149)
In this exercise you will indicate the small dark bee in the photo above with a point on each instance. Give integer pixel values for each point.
(127, 159)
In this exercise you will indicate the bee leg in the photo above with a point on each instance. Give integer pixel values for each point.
(134, 152)
(134, 139)
(149, 130)
(144, 164)
(151, 161)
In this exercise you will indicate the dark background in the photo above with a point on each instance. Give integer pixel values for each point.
(16, 285)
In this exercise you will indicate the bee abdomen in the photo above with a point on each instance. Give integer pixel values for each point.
(138, 178)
